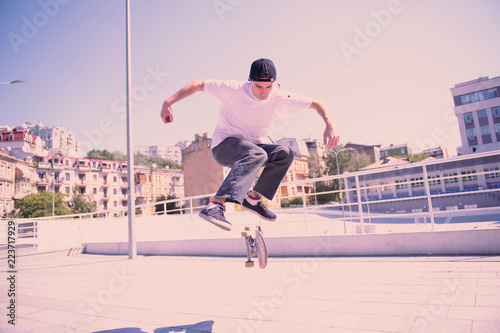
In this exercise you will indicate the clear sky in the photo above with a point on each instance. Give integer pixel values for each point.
(384, 68)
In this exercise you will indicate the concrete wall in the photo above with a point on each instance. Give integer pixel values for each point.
(461, 242)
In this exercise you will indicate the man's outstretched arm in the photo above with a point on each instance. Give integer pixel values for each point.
(330, 136)
(166, 110)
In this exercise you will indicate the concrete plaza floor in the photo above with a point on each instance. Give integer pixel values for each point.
(96, 293)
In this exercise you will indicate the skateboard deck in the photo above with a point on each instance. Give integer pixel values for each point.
(256, 246)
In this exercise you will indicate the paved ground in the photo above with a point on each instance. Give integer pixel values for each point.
(91, 293)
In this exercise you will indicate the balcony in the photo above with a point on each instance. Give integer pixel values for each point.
(42, 181)
(83, 167)
(106, 169)
(44, 165)
(105, 183)
(58, 166)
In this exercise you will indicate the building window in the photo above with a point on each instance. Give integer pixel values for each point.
(492, 174)
(495, 112)
(452, 179)
(434, 180)
(485, 130)
(401, 184)
(482, 114)
(416, 182)
(497, 128)
(478, 96)
(468, 118)
(469, 175)
(471, 133)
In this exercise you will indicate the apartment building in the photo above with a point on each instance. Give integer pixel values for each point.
(202, 174)
(299, 170)
(7, 181)
(372, 151)
(102, 181)
(22, 144)
(173, 153)
(395, 150)
(477, 107)
(152, 182)
(57, 139)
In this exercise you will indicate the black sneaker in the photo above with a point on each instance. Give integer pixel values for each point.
(215, 215)
(260, 209)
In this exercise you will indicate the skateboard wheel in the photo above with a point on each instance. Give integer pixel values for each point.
(245, 234)
(249, 264)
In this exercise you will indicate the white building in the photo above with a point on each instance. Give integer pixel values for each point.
(173, 153)
(477, 107)
(22, 144)
(461, 182)
(57, 139)
(298, 146)
(105, 182)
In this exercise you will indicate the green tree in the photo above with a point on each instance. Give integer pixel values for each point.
(417, 157)
(80, 205)
(141, 159)
(119, 156)
(347, 162)
(102, 154)
(40, 205)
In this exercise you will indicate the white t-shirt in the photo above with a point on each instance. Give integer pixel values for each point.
(245, 116)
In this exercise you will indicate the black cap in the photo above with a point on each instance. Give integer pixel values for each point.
(263, 70)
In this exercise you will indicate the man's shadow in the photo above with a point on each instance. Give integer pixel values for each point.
(201, 327)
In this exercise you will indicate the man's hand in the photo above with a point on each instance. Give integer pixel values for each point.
(331, 137)
(166, 113)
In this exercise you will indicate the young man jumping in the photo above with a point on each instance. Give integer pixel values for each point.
(240, 138)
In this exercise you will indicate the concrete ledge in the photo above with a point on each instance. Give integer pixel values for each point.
(460, 242)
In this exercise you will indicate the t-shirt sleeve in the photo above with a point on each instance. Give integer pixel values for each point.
(294, 103)
(221, 90)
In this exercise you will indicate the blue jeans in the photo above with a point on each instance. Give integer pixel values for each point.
(245, 160)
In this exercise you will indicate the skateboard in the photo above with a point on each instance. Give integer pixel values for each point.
(255, 246)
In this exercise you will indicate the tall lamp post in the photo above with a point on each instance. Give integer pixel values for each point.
(132, 245)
